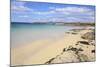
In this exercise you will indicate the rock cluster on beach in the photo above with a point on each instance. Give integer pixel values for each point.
(82, 51)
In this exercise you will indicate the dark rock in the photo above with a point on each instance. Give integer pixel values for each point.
(74, 33)
(76, 44)
(64, 49)
(73, 49)
(80, 49)
(93, 51)
(48, 62)
(84, 42)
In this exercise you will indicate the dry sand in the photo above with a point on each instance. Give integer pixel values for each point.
(41, 51)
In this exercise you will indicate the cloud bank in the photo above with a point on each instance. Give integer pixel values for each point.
(24, 12)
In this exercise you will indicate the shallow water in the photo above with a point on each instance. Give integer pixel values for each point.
(26, 33)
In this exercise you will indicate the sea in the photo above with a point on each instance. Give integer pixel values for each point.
(24, 33)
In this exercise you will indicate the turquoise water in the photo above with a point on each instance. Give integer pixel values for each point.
(26, 33)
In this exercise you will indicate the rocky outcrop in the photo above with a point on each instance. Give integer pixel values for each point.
(82, 51)
(89, 36)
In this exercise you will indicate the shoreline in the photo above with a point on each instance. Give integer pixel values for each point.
(44, 50)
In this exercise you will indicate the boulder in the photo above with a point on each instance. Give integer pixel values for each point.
(89, 36)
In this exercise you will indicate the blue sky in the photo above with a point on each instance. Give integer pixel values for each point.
(50, 12)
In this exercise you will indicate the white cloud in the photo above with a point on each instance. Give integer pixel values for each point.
(24, 16)
(43, 13)
(19, 6)
(57, 14)
(73, 9)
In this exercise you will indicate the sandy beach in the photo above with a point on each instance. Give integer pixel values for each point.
(41, 51)
(51, 33)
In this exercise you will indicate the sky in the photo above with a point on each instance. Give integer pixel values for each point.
(30, 12)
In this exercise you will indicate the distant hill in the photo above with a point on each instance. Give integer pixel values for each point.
(61, 23)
